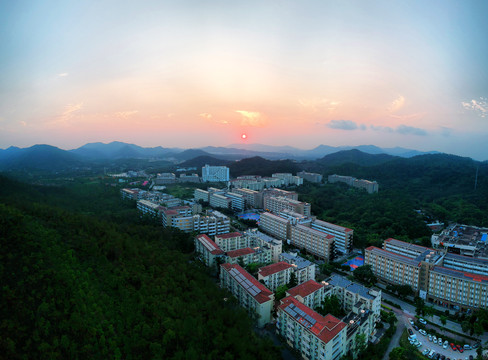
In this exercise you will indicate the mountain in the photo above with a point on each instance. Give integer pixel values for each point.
(263, 167)
(40, 157)
(354, 156)
(201, 161)
(120, 150)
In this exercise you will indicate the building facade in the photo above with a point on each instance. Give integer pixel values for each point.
(215, 173)
(275, 275)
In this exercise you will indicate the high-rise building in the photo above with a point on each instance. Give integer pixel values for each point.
(215, 173)
(343, 236)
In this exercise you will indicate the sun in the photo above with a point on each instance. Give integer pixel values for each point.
(244, 136)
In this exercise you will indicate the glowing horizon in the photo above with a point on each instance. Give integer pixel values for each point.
(192, 74)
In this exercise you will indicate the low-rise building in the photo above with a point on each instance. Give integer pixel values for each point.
(256, 238)
(252, 198)
(202, 195)
(220, 201)
(149, 208)
(250, 293)
(274, 225)
(245, 254)
(310, 293)
(231, 241)
(213, 223)
(313, 335)
(312, 177)
(275, 275)
(278, 204)
(207, 249)
(343, 242)
(304, 270)
(314, 241)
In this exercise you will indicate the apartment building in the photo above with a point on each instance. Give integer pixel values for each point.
(238, 201)
(250, 293)
(315, 242)
(213, 223)
(310, 293)
(288, 179)
(149, 208)
(200, 194)
(280, 193)
(275, 275)
(313, 335)
(340, 178)
(369, 186)
(312, 177)
(129, 194)
(231, 241)
(457, 289)
(251, 184)
(351, 293)
(193, 178)
(393, 268)
(274, 225)
(215, 173)
(207, 249)
(304, 270)
(178, 219)
(252, 198)
(256, 238)
(466, 263)
(343, 236)
(278, 204)
(220, 201)
(247, 256)
(272, 182)
(404, 248)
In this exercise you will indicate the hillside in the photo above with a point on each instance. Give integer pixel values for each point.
(354, 156)
(259, 166)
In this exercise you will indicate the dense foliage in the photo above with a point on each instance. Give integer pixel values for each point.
(105, 286)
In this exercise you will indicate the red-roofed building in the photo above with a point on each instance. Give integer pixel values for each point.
(231, 241)
(310, 293)
(249, 256)
(251, 294)
(313, 335)
(207, 249)
(275, 275)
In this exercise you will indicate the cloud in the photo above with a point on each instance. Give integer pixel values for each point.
(397, 104)
(126, 114)
(402, 129)
(479, 107)
(23, 123)
(316, 104)
(63, 74)
(210, 117)
(342, 125)
(68, 112)
(206, 116)
(251, 118)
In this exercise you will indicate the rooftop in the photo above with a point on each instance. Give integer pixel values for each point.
(306, 288)
(257, 290)
(300, 262)
(209, 244)
(228, 235)
(323, 327)
(392, 255)
(240, 252)
(332, 226)
(407, 245)
(363, 291)
(314, 231)
(274, 268)
(460, 274)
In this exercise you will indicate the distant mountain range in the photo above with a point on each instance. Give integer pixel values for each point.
(46, 157)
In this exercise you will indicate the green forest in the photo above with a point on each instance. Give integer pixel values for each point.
(83, 277)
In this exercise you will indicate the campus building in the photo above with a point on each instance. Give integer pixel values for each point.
(310, 293)
(231, 241)
(369, 186)
(288, 179)
(255, 238)
(343, 242)
(250, 293)
(274, 225)
(213, 223)
(315, 242)
(277, 204)
(207, 249)
(215, 173)
(275, 275)
(200, 194)
(313, 335)
(304, 270)
(149, 208)
(252, 198)
(312, 177)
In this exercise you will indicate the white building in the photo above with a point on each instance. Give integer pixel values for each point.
(304, 269)
(275, 275)
(215, 173)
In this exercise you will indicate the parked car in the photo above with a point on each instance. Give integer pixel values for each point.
(423, 332)
(476, 345)
(411, 321)
(470, 357)
(422, 321)
(437, 356)
(410, 331)
(439, 341)
(467, 347)
(416, 327)
(434, 339)
(453, 347)
(445, 344)
(443, 357)
(419, 344)
(460, 348)
(425, 352)
(430, 337)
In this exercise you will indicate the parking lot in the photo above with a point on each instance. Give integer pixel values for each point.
(438, 348)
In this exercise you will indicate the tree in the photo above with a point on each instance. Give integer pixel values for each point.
(280, 293)
(360, 343)
(419, 306)
(365, 275)
(443, 319)
(293, 280)
(397, 353)
(331, 305)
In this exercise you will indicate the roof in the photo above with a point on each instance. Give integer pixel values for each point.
(257, 290)
(314, 231)
(300, 262)
(276, 217)
(333, 226)
(460, 274)
(305, 289)
(240, 252)
(393, 255)
(170, 212)
(228, 235)
(464, 258)
(274, 268)
(323, 327)
(415, 247)
(209, 244)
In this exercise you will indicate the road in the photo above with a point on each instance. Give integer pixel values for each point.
(395, 340)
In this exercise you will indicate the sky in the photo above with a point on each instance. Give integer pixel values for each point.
(190, 74)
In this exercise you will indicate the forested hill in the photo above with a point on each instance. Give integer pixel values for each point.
(83, 278)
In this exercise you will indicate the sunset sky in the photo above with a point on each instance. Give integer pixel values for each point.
(195, 73)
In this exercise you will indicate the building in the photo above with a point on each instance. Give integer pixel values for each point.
(193, 178)
(343, 236)
(149, 208)
(274, 225)
(280, 193)
(310, 293)
(288, 179)
(313, 335)
(231, 241)
(350, 293)
(369, 186)
(304, 270)
(277, 204)
(252, 198)
(250, 293)
(340, 178)
(178, 218)
(315, 242)
(165, 178)
(238, 201)
(312, 177)
(272, 182)
(256, 238)
(275, 275)
(463, 240)
(200, 194)
(246, 255)
(213, 223)
(129, 194)
(207, 249)
(215, 173)
(220, 201)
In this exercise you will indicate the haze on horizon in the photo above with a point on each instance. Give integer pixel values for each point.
(191, 74)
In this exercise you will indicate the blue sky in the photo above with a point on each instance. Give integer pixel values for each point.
(192, 73)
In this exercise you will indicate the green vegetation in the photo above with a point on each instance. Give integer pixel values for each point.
(331, 305)
(402, 291)
(365, 275)
(83, 278)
